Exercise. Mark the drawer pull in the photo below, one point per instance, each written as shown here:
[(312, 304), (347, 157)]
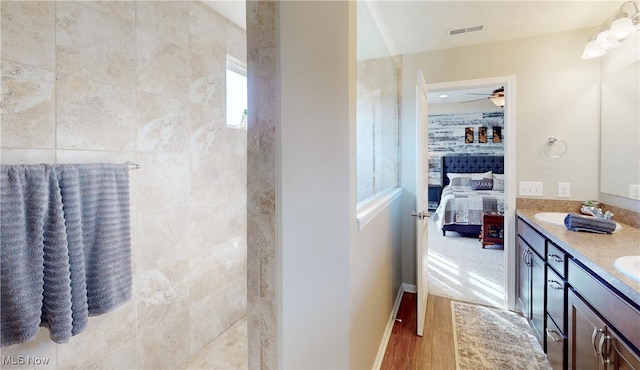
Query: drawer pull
[(555, 258), (555, 284), (554, 335)]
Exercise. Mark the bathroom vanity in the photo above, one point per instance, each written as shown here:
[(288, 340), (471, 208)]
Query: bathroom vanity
[(583, 311)]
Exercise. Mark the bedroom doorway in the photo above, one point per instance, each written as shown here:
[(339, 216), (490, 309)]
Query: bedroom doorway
[(475, 96)]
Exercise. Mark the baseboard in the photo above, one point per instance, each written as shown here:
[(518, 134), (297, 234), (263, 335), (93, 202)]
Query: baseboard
[(392, 319), (409, 288)]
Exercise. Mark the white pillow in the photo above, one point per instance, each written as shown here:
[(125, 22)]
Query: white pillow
[(498, 182)]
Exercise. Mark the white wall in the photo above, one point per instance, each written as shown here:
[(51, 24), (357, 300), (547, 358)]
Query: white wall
[(557, 95), (316, 194), (337, 285)]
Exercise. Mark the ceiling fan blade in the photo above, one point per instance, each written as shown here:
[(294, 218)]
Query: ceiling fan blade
[(469, 101)]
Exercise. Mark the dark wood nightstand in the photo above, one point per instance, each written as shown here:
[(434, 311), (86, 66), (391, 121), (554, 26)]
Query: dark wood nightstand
[(492, 229), (434, 196)]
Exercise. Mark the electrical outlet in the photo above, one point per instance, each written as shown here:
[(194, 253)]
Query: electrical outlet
[(634, 191), (564, 190), (531, 189)]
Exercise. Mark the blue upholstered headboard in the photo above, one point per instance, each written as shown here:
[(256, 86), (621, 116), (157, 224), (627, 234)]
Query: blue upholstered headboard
[(470, 164)]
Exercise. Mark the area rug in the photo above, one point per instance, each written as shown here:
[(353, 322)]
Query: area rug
[(487, 338)]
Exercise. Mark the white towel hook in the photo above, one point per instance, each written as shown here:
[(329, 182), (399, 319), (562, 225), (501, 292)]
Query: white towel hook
[(552, 140)]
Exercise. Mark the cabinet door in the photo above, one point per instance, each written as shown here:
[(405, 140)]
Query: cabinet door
[(538, 283), (524, 281), (585, 331), (620, 356)]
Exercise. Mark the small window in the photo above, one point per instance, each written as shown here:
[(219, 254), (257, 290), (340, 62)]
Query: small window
[(236, 94)]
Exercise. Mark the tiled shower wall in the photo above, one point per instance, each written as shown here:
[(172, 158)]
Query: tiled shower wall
[(143, 82)]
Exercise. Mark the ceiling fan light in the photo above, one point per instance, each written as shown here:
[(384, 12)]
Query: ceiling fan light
[(622, 27), (498, 100)]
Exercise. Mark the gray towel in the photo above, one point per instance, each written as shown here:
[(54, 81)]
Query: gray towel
[(66, 247), (575, 222)]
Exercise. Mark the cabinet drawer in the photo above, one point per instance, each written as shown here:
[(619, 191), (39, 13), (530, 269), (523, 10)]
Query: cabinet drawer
[(556, 344), (535, 240), (619, 313), (556, 258), (556, 289)]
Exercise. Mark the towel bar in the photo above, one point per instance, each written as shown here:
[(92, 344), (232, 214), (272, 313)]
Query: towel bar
[(133, 166)]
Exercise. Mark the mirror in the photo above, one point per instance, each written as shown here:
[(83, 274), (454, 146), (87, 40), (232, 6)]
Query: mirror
[(620, 121)]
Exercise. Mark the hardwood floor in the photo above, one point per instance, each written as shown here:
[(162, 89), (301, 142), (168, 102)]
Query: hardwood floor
[(435, 350)]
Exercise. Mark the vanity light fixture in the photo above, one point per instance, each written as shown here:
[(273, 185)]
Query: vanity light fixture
[(617, 27)]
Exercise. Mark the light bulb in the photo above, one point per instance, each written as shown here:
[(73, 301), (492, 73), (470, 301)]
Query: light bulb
[(622, 27), (591, 50), (606, 40)]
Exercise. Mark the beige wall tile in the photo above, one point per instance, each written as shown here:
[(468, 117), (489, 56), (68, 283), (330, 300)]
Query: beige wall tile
[(166, 19), (162, 124), (27, 156), (161, 292), (163, 181), (162, 67), (204, 331), (162, 238), (206, 125), (236, 41), (28, 106), (103, 334), (125, 11), (94, 115), (28, 32), (208, 76), (206, 30), (165, 345), (94, 45)]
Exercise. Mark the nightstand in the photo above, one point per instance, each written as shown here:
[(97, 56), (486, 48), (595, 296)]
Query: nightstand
[(434, 197), (492, 229)]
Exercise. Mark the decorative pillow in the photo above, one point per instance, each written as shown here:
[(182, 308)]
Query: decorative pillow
[(485, 175), (459, 179), (464, 179), (498, 182), (483, 184)]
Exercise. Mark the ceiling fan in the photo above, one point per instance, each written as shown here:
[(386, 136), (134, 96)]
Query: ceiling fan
[(496, 97)]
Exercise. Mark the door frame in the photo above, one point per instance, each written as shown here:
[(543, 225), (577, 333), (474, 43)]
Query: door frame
[(509, 83)]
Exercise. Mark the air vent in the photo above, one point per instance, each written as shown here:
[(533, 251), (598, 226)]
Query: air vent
[(460, 31)]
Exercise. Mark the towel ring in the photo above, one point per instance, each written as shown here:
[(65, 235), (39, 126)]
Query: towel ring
[(550, 142)]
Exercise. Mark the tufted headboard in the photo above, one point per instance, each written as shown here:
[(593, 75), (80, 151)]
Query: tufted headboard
[(470, 164)]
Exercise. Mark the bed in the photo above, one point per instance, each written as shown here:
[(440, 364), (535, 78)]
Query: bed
[(471, 184)]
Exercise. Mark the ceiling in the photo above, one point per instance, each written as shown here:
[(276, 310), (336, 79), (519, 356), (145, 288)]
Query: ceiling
[(412, 26), (416, 26)]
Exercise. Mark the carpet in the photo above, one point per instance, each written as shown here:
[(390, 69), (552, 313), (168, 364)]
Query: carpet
[(487, 338), (461, 269)]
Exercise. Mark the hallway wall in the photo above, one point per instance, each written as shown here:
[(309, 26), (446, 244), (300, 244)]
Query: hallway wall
[(141, 82)]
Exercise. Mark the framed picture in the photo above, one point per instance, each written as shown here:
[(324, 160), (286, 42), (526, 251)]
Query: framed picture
[(482, 134), (497, 134), (468, 135)]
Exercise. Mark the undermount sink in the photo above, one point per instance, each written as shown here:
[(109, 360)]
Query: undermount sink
[(557, 218), (629, 265)]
